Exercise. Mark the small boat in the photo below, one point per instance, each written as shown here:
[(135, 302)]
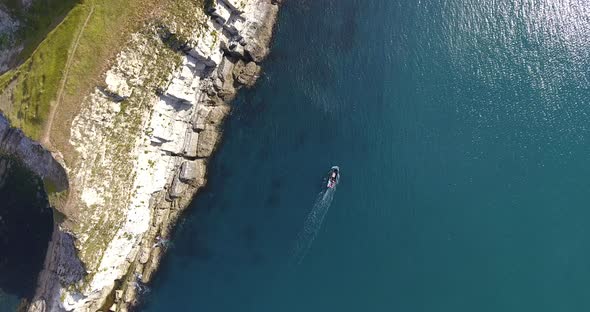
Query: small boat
[(334, 177)]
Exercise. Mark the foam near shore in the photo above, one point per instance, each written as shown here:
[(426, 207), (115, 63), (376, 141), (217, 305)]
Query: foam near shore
[(141, 143)]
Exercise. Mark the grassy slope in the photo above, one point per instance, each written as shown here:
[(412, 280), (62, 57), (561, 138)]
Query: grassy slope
[(36, 21), (105, 35), (38, 79)]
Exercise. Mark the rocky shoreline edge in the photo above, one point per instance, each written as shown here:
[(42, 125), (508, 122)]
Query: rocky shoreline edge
[(239, 67), (172, 138)]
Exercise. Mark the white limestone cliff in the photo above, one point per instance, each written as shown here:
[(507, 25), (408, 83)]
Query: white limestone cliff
[(142, 141)]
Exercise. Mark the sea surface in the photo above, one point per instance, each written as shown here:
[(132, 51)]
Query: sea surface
[(462, 129), (26, 223)]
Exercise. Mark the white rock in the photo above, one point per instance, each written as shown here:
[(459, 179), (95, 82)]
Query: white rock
[(117, 84), (221, 11), (190, 143), (193, 171), (185, 84), (155, 155), (236, 5), (200, 117)]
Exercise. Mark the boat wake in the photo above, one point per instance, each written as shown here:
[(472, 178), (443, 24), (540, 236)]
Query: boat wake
[(312, 225)]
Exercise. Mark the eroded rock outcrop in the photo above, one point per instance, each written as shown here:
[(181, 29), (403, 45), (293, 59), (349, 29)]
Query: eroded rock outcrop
[(246, 73), (13, 142), (142, 141)]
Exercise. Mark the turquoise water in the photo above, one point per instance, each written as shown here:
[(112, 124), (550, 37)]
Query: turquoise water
[(462, 131), (25, 229)]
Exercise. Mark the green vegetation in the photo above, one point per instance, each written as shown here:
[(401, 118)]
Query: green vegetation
[(6, 79), (39, 77), (215, 36), (101, 234), (55, 198), (66, 67), (91, 46), (49, 186)]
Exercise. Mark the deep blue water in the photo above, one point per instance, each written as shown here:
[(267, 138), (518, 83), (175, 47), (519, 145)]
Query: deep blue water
[(25, 229), (462, 131)]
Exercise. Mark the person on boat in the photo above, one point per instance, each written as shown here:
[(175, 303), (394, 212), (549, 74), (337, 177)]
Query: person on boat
[(334, 176)]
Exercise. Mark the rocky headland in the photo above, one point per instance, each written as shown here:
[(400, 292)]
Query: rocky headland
[(137, 150)]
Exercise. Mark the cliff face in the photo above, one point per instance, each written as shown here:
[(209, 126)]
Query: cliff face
[(139, 148), (8, 50), (13, 142)]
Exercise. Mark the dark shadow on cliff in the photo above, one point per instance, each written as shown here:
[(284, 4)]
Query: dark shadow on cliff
[(25, 228)]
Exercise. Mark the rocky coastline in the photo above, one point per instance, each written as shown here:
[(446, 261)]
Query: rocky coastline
[(140, 145)]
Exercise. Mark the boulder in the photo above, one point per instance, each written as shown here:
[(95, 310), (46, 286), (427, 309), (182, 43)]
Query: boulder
[(177, 188), (246, 73), (118, 294), (117, 84), (193, 172), (207, 140), (38, 306), (217, 83), (130, 294), (227, 94), (211, 90), (235, 49), (258, 34), (215, 101), (200, 117), (145, 255), (190, 143), (225, 89), (188, 171), (150, 267), (224, 71), (255, 50), (217, 114)]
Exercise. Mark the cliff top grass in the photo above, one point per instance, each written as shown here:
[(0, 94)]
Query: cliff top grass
[(66, 67), (68, 63), (121, 139), (37, 79)]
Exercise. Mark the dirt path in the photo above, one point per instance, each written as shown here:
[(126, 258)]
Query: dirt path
[(46, 137)]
